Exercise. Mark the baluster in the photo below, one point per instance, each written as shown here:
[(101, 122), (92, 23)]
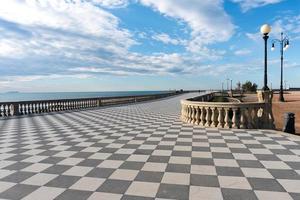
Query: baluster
[(227, 120), (33, 107), (255, 118), (249, 117), (186, 113), (202, 116), (243, 124), (24, 109), (197, 115), (30, 108), (5, 110), (193, 119), (47, 107), (1, 111), (220, 118), (183, 112), (43, 106), (235, 123), (208, 117), (214, 117), (189, 114)]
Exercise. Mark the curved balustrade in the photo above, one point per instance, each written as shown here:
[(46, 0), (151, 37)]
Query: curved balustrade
[(46, 106), (227, 115)]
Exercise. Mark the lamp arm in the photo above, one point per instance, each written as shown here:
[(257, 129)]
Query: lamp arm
[(276, 40)]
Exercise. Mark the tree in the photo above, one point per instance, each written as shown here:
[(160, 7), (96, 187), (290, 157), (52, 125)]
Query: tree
[(248, 86), (238, 86)]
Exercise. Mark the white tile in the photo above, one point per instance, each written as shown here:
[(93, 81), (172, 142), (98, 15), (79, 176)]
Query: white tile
[(176, 178), (156, 167), (180, 160), (182, 148), (100, 156), (205, 193), (35, 159), (244, 156), (5, 185), (272, 195), (124, 174), (138, 158), (290, 185), (39, 179), (144, 189), (78, 171), (275, 165), (105, 196), (71, 161), (162, 153), (256, 172), (4, 172), (37, 167), (111, 164), (234, 182), (226, 163), (203, 169), (45, 193), (260, 151), (289, 158), (87, 183), (125, 151), (201, 154), (65, 154)]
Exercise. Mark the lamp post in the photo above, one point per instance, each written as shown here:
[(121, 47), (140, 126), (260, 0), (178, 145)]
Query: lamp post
[(265, 30), (284, 44), (231, 84), (227, 84), (222, 88)]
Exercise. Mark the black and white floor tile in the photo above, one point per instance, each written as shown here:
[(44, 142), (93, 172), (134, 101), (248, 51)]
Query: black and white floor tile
[(142, 151)]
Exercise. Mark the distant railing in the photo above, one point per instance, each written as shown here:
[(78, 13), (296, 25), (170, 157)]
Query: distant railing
[(8, 109), (226, 114)]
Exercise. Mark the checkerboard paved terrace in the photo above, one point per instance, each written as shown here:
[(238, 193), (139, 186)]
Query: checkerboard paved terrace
[(142, 151)]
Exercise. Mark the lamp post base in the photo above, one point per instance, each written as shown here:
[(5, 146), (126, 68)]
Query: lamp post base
[(265, 88), (281, 98)]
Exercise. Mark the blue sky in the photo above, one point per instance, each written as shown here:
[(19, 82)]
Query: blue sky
[(103, 45)]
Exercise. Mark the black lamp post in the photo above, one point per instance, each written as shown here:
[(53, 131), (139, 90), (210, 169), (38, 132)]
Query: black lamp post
[(265, 30), (284, 44)]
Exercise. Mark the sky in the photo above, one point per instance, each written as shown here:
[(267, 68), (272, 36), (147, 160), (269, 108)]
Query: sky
[(120, 45)]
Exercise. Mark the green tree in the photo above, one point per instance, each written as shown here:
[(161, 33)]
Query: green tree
[(248, 86)]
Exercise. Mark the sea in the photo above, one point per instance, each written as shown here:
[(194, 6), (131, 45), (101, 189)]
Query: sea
[(20, 96)]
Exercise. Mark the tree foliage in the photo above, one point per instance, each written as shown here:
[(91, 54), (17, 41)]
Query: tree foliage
[(248, 86)]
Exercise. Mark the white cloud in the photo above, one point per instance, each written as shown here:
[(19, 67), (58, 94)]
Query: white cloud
[(289, 25), (207, 19), (166, 39), (242, 52), (250, 4), (80, 17), (111, 3)]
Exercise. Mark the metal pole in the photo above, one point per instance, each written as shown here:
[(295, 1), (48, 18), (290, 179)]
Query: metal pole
[(227, 84), (231, 85), (222, 88), (265, 37), (281, 70)]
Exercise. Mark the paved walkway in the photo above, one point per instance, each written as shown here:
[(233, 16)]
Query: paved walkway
[(142, 151)]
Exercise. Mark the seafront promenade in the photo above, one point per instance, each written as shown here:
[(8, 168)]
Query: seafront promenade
[(142, 151)]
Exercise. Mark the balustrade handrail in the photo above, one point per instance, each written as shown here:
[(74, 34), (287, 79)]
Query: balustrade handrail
[(16, 108), (222, 104), (201, 111), (92, 98)]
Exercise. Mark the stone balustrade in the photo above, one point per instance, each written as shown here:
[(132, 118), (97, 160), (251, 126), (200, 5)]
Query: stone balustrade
[(252, 115), (8, 109)]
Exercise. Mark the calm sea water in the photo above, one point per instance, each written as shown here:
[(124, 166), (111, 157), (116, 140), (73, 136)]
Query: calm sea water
[(69, 95)]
